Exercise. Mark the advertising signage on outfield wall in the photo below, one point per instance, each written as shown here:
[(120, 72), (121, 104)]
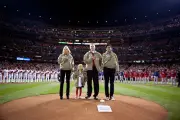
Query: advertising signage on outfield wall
[(24, 59)]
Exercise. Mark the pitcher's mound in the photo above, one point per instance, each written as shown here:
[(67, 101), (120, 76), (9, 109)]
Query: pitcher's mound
[(50, 107)]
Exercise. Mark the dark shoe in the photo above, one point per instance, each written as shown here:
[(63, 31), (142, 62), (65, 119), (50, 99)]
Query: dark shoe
[(87, 97), (61, 98), (95, 98), (67, 97)]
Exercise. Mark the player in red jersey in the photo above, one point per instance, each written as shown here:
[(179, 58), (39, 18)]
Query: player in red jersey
[(163, 77), (141, 77), (126, 75), (135, 74), (146, 76), (131, 76)]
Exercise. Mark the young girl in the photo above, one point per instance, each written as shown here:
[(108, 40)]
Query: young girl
[(80, 78)]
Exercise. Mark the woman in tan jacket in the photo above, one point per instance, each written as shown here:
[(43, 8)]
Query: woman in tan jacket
[(66, 63)]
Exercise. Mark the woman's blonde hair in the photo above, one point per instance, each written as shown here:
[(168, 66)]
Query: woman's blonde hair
[(66, 47), (80, 66)]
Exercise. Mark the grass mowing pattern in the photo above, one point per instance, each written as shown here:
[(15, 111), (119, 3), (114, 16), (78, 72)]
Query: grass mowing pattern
[(167, 96)]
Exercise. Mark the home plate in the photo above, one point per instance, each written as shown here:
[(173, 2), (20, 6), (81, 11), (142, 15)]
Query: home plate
[(104, 108)]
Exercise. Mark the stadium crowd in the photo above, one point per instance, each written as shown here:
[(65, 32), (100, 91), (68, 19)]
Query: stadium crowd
[(111, 32)]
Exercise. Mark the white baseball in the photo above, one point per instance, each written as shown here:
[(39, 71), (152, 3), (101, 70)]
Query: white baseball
[(102, 101)]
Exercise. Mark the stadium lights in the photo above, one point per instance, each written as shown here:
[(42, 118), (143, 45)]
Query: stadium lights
[(37, 56), (78, 43), (77, 40)]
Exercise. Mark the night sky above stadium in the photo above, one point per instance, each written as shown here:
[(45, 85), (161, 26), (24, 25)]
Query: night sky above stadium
[(91, 12)]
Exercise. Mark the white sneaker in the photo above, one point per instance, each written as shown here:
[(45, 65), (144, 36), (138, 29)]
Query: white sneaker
[(106, 98), (112, 98)]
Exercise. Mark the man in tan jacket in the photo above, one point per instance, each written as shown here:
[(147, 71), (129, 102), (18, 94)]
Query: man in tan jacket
[(93, 61), (110, 67)]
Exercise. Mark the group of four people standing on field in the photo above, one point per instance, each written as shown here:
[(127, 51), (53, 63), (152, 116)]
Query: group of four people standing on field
[(95, 63)]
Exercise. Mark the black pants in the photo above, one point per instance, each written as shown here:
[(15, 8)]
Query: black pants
[(63, 73), (59, 77), (92, 74), (109, 75)]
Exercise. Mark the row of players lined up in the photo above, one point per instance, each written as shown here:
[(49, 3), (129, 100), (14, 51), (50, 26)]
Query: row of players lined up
[(27, 75), (138, 76), (142, 76)]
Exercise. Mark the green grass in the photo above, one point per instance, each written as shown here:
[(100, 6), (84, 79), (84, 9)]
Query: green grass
[(167, 96)]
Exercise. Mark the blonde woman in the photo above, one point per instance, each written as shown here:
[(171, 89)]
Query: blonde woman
[(66, 62)]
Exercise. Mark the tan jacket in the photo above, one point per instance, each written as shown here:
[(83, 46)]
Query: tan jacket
[(110, 61), (66, 62), (89, 62), (76, 76)]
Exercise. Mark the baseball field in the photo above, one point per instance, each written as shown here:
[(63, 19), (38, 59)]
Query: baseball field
[(166, 96)]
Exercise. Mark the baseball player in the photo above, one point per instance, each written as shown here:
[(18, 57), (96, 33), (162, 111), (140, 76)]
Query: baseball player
[(5, 75), (163, 77), (173, 77), (121, 76)]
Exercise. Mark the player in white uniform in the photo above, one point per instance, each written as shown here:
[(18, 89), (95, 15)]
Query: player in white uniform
[(20, 75), (29, 75), (47, 76), (1, 76), (10, 76), (5, 75), (116, 77), (25, 76), (34, 76), (16, 75), (43, 76), (38, 76), (56, 75), (52, 75)]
